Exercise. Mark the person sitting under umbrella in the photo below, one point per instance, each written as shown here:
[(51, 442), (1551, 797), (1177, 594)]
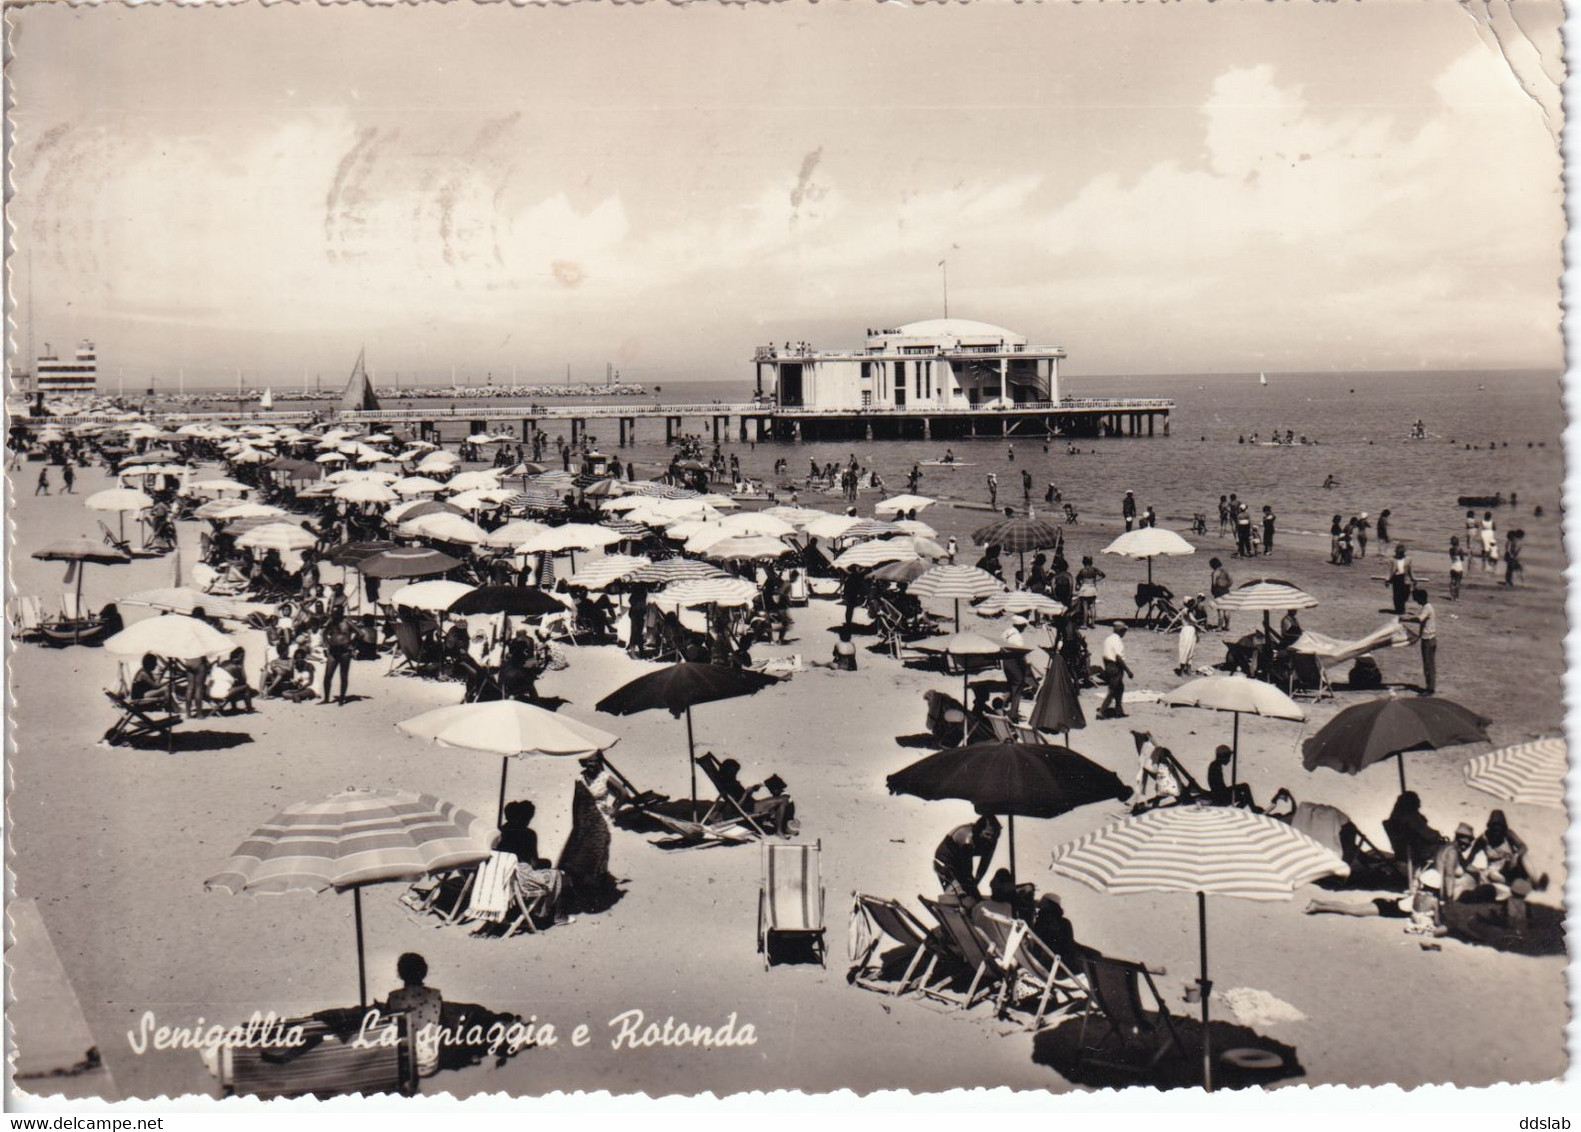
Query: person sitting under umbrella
[(609, 791), (539, 886), (775, 813), (1220, 791), (1053, 927), (953, 860), (422, 1006), (1157, 783), (228, 682), (1505, 854), (148, 690), (1006, 898)]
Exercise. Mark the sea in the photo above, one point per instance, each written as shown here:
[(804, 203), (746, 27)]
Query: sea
[(1487, 433)]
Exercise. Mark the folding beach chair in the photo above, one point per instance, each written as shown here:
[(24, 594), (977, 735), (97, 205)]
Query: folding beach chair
[(1032, 970), (25, 617), (639, 801), (965, 945), (71, 608), (121, 544), (791, 898), (329, 1063), (724, 808), (1114, 988), (139, 720), (412, 655), (1003, 729), (1028, 734), (875, 920)]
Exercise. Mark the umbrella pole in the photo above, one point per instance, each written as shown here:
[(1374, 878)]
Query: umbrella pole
[(1012, 848), (1150, 570), (966, 712), (1235, 758), (691, 759), (957, 615), (505, 769), (1206, 989), (76, 622), (1400, 762), (362, 963)]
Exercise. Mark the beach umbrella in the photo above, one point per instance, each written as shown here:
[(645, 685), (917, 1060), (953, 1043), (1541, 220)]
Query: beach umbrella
[(235, 527), (875, 553), (961, 646), (674, 570), (1149, 543), (354, 554), (831, 526), (697, 535), (416, 485), (1058, 704), (627, 503), (733, 592), (185, 599), (606, 571), (757, 523), (748, 547), (513, 534), (1208, 850), (417, 508), (603, 489), (680, 687), (1241, 696), (872, 528), (407, 562), (232, 511), (277, 536), (1019, 534), (215, 487), (917, 527), (1011, 779), (473, 481), (1020, 601), (444, 526), (797, 517), (481, 498), (171, 637), (441, 462), (119, 500), (571, 536), (1370, 732), (513, 601), (435, 596), (329, 458), (907, 570), (1532, 773), (627, 530), (510, 729), (77, 552), (955, 583), (351, 839), (1266, 595), (365, 491), (361, 475), (297, 469), (897, 503)]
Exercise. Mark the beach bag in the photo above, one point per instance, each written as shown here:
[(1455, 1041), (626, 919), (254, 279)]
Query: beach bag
[(1365, 674)]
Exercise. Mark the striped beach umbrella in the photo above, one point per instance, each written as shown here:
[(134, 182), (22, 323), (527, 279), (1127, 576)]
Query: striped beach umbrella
[(907, 570), (955, 583), (876, 552), (1020, 601), (606, 571), (417, 508), (713, 591), (277, 536), (747, 548), (674, 570), (1266, 594), (628, 530), (1532, 773), (407, 562), (1019, 534), (1208, 850), (350, 839), (917, 527), (872, 528)]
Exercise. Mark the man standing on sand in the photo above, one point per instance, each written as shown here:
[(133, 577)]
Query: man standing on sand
[(1128, 510), (1268, 529), (993, 490), (1243, 531), (1219, 585), (1026, 488), (68, 477), (42, 487), (1115, 670), (1401, 580), (1427, 632)]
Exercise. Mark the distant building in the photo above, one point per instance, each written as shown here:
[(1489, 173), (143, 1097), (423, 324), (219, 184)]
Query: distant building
[(938, 364), (79, 374)]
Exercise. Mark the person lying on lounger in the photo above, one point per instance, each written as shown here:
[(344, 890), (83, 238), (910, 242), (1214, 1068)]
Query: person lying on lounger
[(776, 813)]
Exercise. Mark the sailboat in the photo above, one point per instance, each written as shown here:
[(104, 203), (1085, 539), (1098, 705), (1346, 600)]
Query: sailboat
[(1262, 379), (358, 394), (266, 402)]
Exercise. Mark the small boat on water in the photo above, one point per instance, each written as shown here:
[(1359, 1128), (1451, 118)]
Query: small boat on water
[(1482, 500), (945, 464), (1262, 379)]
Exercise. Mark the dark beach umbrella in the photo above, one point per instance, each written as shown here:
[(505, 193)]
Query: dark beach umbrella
[(1058, 707), (1391, 725), (1011, 779), (1019, 534), (907, 571), (353, 554), (515, 601), (79, 552), (430, 507), (679, 688), (408, 562), (297, 469)]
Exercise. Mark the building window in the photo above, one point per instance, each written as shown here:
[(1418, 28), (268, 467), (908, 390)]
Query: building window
[(867, 370), (900, 384), (867, 398)]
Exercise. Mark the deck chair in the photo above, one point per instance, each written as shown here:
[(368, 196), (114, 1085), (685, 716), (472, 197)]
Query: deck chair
[(724, 808), (685, 834), (25, 618), (875, 920), (412, 655), (966, 946), (791, 898), (138, 721), (1155, 604), (121, 544), (1029, 735), (1003, 730), (1032, 970), (328, 1065), (796, 589), (640, 801), (71, 607), (1114, 988)]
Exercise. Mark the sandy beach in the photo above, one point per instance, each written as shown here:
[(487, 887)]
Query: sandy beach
[(112, 846)]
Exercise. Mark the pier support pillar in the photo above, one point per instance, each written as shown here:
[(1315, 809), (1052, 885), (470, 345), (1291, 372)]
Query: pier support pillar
[(1004, 426), (927, 428), (672, 425), (718, 421), (1166, 424), (1149, 424), (765, 428)]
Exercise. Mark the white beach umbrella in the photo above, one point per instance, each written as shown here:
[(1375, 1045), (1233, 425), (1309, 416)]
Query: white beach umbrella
[(473, 481), (480, 498), (213, 488), (757, 523), (1149, 543), (572, 536), (435, 596), (898, 503), (121, 499), (1238, 694), (417, 485), (747, 548), (441, 462), (797, 517), (445, 527), (173, 637), (831, 526), (513, 533), (276, 536), (233, 511), (365, 491)]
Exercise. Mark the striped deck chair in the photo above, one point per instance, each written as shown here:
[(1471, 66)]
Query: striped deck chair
[(26, 618), (791, 898), (495, 897), (1033, 971), (874, 921), (1115, 998), (330, 1065), (967, 947)]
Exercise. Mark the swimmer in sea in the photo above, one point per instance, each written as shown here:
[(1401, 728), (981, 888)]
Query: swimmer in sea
[(1329, 481)]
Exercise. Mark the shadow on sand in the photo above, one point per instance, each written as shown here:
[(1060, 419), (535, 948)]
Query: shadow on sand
[(1106, 1064)]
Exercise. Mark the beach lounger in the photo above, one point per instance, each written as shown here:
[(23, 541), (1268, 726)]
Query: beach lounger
[(966, 946), (791, 898), (640, 801), (121, 544), (331, 1063), (725, 808), (686, 834), (875, 920), (25, 617), (139, 720), (1032, 970), (1114, 1000)]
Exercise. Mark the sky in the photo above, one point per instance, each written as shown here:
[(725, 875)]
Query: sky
[(488, 189)]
